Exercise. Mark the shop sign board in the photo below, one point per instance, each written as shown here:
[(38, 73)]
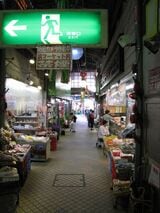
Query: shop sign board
[(58, 57), (154, 176), (43, 27), (152, 15), (113, 66), (154, 80)]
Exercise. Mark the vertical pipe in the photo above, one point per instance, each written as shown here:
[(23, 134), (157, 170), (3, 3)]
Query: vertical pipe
[(139, 79), (2, 86)]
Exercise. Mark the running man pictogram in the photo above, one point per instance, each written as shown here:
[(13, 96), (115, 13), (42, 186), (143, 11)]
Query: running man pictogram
[(50, 27)]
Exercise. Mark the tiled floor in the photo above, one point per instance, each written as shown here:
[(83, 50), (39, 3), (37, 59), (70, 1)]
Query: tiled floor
[(75, 179)]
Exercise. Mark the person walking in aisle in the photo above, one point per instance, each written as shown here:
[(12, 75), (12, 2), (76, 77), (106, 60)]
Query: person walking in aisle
[(73, 122), (91, 119)]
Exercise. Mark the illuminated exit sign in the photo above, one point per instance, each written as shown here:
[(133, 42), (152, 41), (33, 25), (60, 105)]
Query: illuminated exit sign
[(37, 27)]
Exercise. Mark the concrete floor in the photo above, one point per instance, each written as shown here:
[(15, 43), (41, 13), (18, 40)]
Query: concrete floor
[(75, 179)]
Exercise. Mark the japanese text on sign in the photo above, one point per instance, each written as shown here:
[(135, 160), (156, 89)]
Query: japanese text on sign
[(54, 57)]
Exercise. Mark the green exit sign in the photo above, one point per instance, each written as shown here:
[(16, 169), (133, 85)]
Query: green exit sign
[(87, 28)]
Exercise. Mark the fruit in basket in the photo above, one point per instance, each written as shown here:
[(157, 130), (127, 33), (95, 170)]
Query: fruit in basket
[(28, 137)]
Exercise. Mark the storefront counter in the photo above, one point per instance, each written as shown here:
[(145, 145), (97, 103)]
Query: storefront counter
[(40, 146), (24, 165)]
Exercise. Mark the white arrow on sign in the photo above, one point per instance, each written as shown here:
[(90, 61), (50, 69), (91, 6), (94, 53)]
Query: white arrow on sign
[(10, 28)]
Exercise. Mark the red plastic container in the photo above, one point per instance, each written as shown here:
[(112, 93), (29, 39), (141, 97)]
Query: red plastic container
[(53, 145)]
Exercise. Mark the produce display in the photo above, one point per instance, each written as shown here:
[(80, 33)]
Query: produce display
[(5, 136), (120, 153)]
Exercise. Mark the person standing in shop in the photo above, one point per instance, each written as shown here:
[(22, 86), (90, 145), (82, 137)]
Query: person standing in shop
[(108, 118), (102, 132)]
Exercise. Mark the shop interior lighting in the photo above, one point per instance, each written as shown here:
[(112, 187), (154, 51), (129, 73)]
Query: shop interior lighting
[(53, 101), (15, 85), (46, 74), (130, 86), (39, 87), (32, 61), (114, 93), (31, 83), (126, 78), (114, 86), (63, 86), (83, 84)]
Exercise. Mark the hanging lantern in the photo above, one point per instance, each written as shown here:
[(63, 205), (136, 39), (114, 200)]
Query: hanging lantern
[(133, 95), (133, 118), (83, 75)]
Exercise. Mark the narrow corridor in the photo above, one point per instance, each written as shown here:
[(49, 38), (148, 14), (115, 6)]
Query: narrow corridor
[(75, 179)]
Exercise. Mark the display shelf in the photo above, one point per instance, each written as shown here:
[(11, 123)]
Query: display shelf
[(117, 109), (26, 124), (31, 118)]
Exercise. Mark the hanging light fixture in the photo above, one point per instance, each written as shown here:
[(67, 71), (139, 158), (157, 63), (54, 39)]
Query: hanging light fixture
[(30, 83), (77, 53), (31, 61), (39, 87)]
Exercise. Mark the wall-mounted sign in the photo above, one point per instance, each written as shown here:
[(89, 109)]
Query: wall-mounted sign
[(76, 27), (57, 57), (154, 80), (152, 19), (154, 176)]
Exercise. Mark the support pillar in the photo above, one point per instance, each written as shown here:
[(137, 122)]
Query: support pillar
[(2, 86), (139, 82)]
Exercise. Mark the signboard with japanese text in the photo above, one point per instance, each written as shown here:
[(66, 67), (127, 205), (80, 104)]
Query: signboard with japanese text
[(154, 176), (43, 27), (154, 80), (57, 57)]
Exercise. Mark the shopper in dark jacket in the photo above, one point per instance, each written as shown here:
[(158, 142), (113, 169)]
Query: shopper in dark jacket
[(91, 119)]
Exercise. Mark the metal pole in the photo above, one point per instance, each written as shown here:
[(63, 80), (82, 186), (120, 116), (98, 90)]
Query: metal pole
[(2, 87), (139, 83)]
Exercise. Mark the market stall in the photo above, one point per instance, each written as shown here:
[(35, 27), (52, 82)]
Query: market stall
[(120, 154), (40, 146), (14, 168)]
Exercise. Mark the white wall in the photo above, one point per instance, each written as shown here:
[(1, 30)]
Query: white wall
[(22, 97)]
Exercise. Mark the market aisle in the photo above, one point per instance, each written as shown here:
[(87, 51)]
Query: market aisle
[(74, 180)]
